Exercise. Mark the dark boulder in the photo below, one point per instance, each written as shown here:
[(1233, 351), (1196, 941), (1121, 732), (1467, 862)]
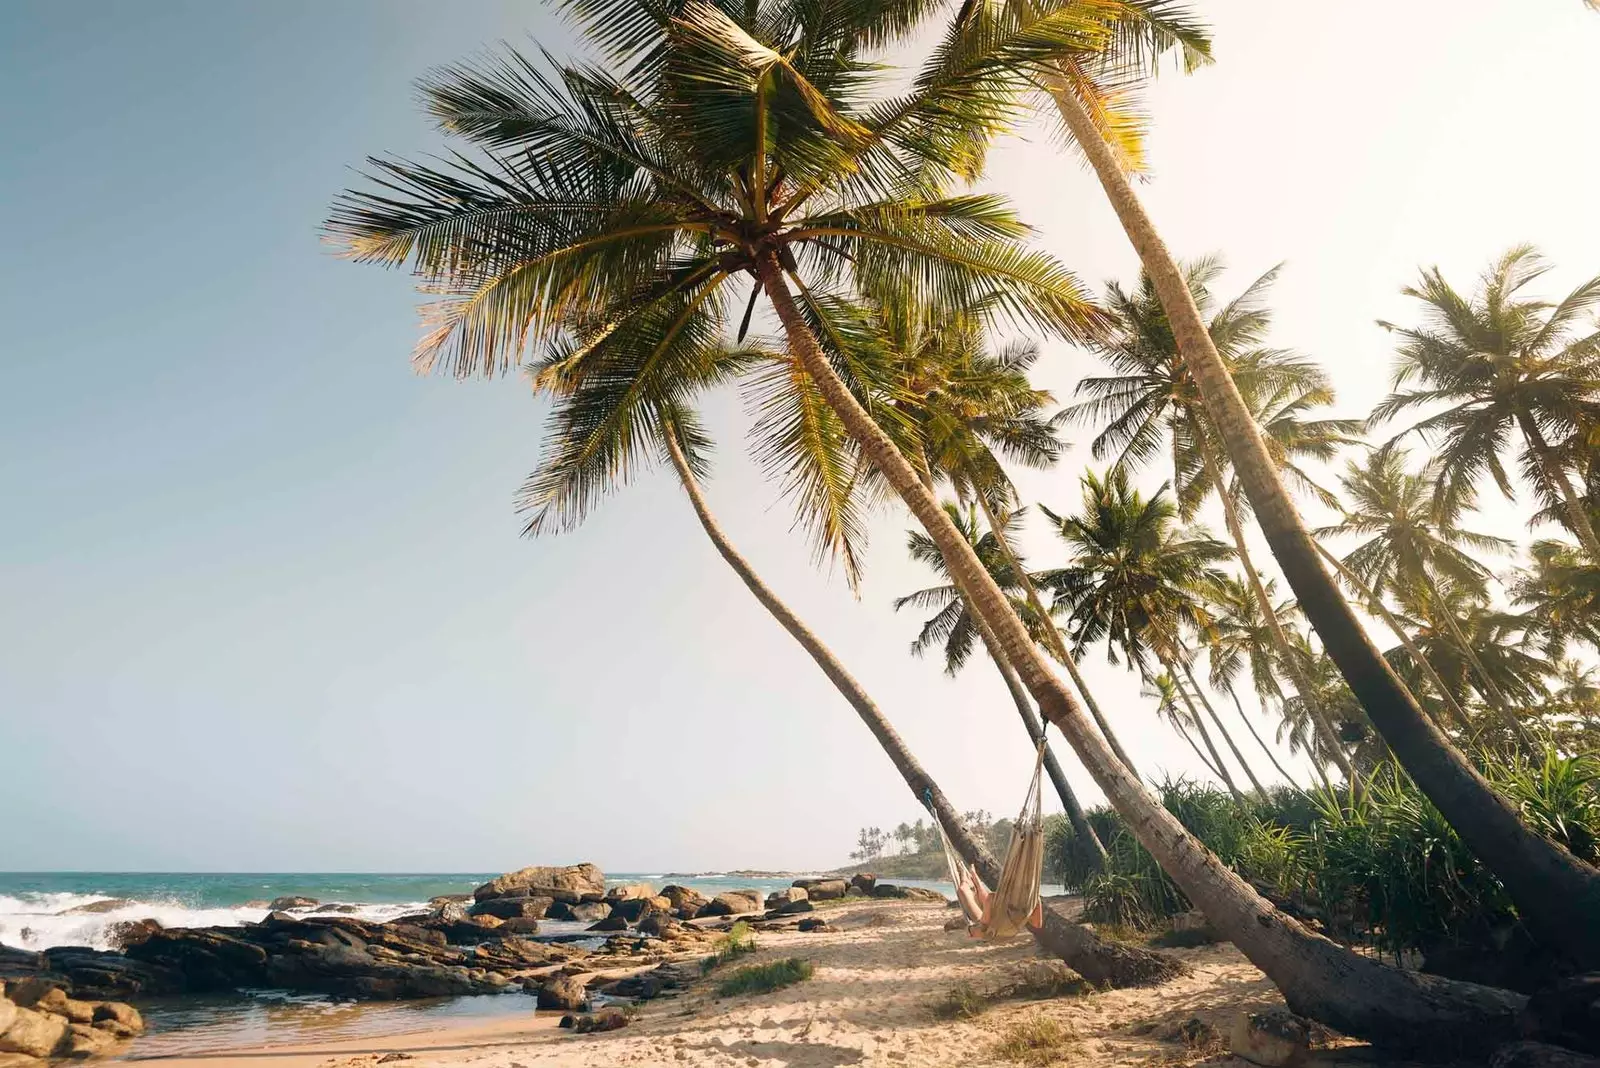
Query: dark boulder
[(686, 903), (909, 893), (793, 908), (1539, 1055), (563, 992), (287, 902), (733, 903), (613, 922), (822, 889), (863, 882), (813, 923), (97, 908), (513, 908), (634, 909), (579, 913)]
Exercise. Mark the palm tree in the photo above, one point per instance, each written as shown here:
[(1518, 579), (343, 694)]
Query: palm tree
[(972, 405), (1559, 592), (953, 627), (1503, 364), (1413, 544), (1093, 92), (1163, 689), (614, 211), (1134, 579), (1152, 401)]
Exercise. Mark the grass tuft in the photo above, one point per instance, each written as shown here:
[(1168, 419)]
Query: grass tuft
[(1035, 1041), (765, 978), (736, 943), (961, 1002)]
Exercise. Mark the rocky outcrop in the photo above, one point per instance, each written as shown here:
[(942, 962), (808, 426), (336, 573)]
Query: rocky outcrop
[(911, 893), (563, 992), (327, 954), (732, 903), (39, 1022), (513, 908), (779, 898), (572, 883), (863, 882), (579, 913), (629, 892), (97, 908), (686, 903), (284, 904), (822, 889), (634, 909)]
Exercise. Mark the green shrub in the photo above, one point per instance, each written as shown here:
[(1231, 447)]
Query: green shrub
[(764, 978), (736, 943)]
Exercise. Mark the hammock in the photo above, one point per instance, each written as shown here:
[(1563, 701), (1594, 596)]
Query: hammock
[(1013, 905)]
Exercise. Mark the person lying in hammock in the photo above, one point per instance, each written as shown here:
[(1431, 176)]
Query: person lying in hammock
[(976, 900)]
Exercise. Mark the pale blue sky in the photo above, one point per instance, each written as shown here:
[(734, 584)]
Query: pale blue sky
[(263, 603)]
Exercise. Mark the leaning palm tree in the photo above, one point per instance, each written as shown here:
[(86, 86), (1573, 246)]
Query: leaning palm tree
[(953, 628), (1094, 92), (973, 408), (756, 147), (1502, 364), (1239, 641), (1151, 405)]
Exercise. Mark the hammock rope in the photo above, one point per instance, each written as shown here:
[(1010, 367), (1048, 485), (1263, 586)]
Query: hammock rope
[(1013, 905)]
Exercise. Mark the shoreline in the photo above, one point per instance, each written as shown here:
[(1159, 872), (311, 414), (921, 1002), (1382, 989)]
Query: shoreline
[(885, 973)]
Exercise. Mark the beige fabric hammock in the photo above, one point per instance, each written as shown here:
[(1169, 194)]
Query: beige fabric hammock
[(1012, 903)]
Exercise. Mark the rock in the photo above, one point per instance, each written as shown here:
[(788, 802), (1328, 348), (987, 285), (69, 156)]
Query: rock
[(733, 903), (647, 985), (658, 925), (779, 898), (1540, 1055), (604, 1020), (686, 903), (441, 900), (813, 923), (794, 908), (630, 892), (910, 893), (518, 925), (563, 992), (27, 992), (574, 880), (97, 908), (335, 907), (289, 901), (822, 889), (579, 913), (1567, 1013), (8, 1010), (468, 932), (83, 1041), (121, 1020), (125, 933), (94, 973), (512, 908), (1274, 1039), (634, 909), (864, 882), (613, 922), (56, 1001), (18, 1060), (36, 1034), (568, 1021)]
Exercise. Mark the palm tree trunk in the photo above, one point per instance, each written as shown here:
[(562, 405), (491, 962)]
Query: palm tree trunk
[(1271, 756), (1320, 979), (1030, 719), (1555, 893), (1291, 661), (1183, 732), (1052, 635), (1423, 663), (1082, 832), (1577, 514), (1188, 673), (1099, 961)]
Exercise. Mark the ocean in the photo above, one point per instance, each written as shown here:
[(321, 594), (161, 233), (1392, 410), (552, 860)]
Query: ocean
[(43, 909)]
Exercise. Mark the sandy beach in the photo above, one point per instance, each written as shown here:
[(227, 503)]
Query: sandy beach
[(878, 996)]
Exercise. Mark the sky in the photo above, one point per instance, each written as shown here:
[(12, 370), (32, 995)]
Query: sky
[(264, 602)]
